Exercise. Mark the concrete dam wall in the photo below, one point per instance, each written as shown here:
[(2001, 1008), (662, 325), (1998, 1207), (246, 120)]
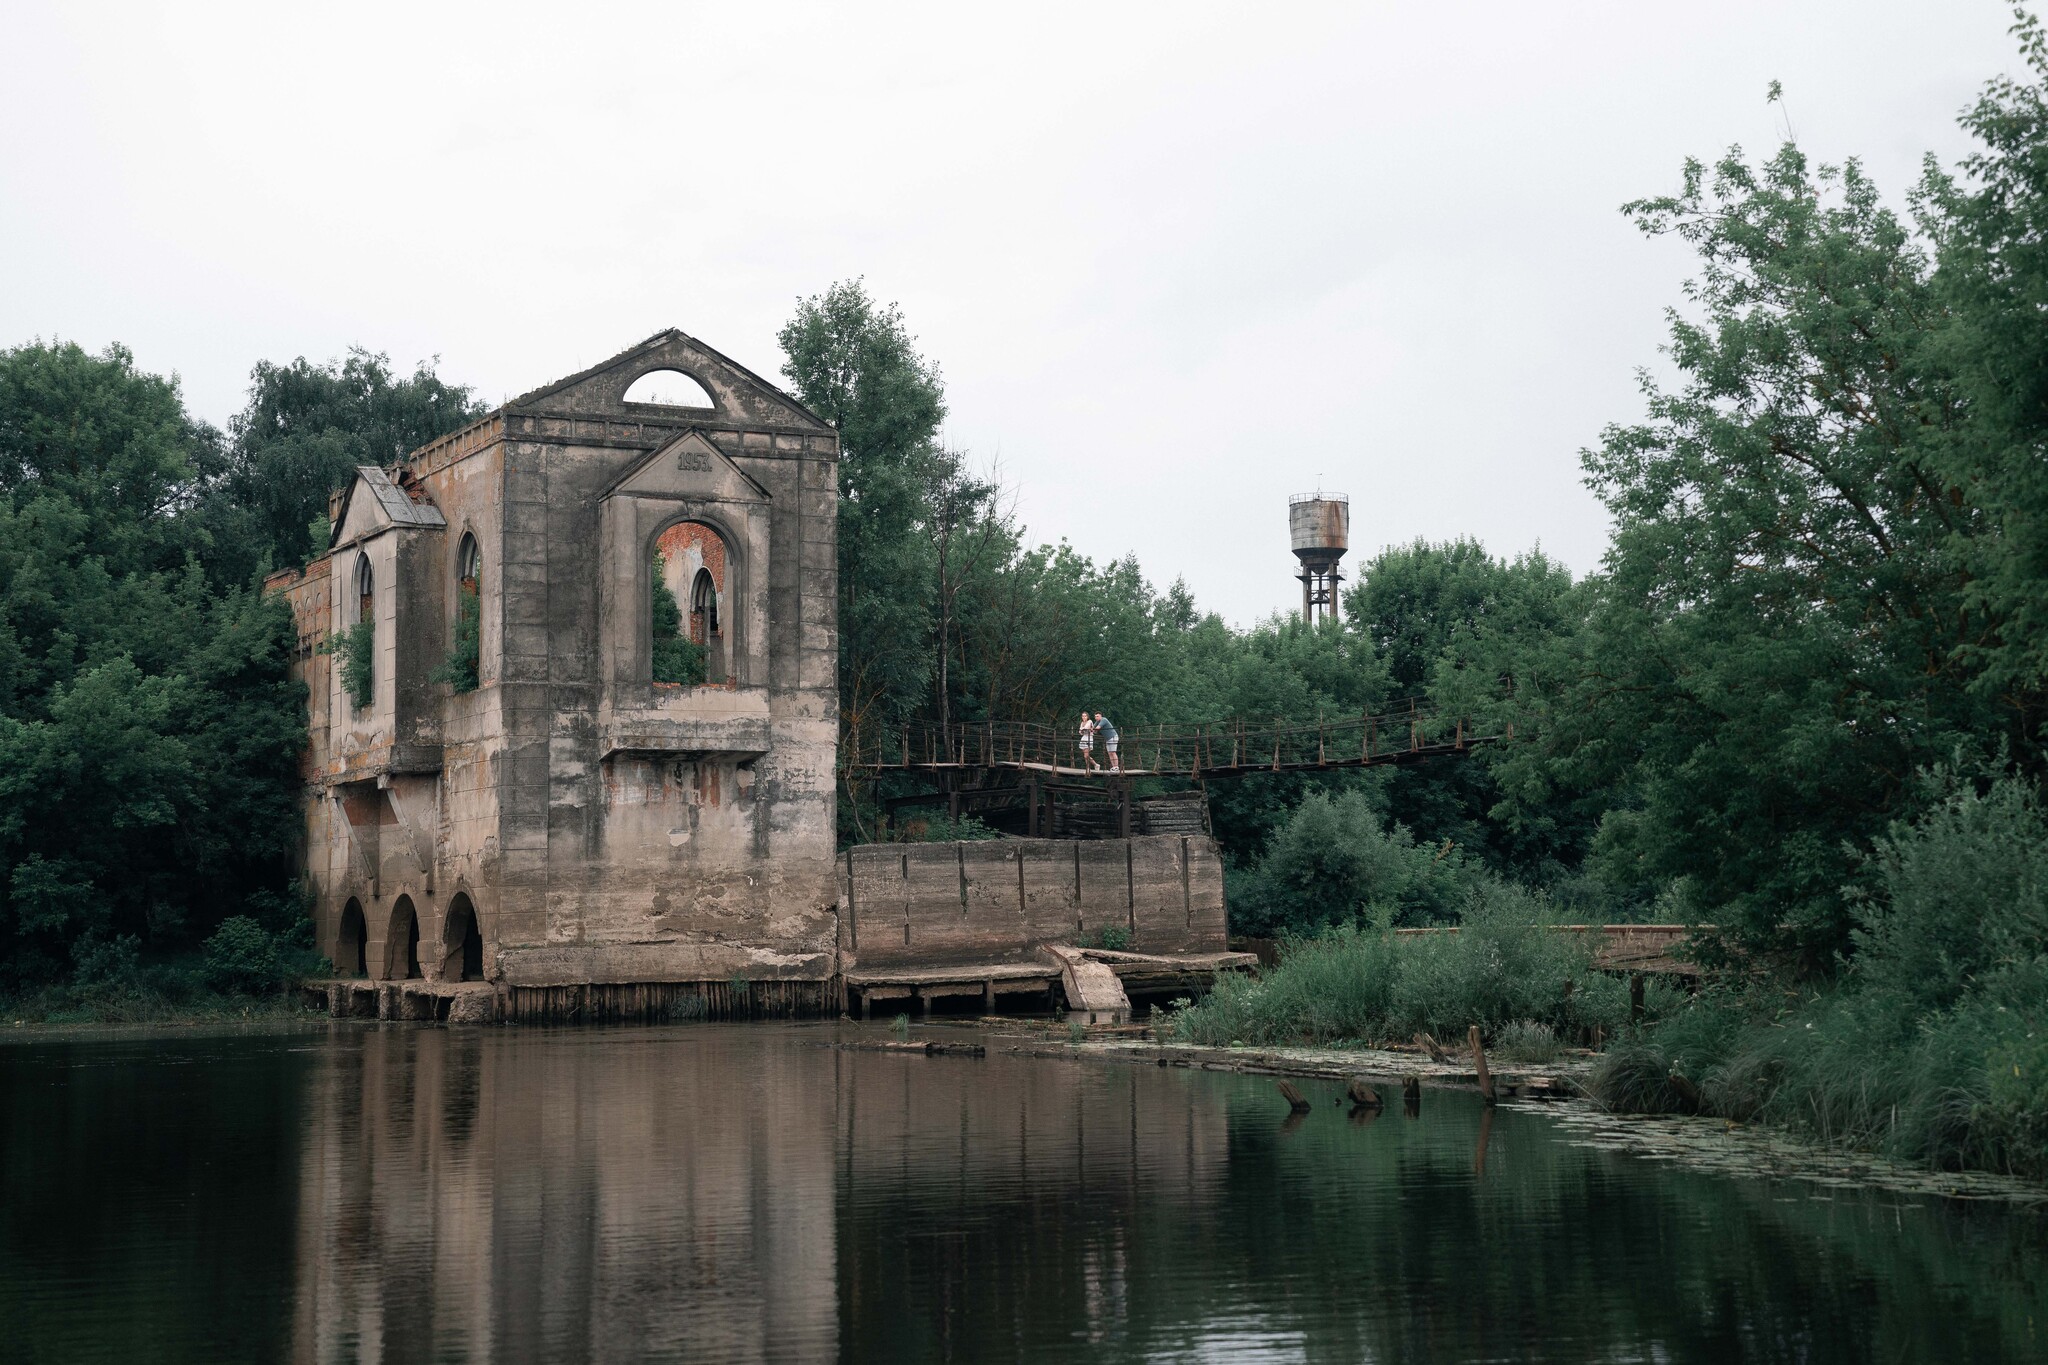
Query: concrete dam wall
[(999, 900)]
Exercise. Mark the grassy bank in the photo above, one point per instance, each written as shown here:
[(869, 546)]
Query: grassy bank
[(1930, 1045), (69, 1005), (1530, 991), (242, 971)]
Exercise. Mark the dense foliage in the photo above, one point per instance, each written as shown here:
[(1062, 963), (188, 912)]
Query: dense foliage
[(149, 731)]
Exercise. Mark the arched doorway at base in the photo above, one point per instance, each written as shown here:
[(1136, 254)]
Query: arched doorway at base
[(462, 944), (402, 947), (351, 941)]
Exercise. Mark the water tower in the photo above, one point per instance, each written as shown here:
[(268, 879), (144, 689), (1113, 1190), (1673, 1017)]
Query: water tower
[(1320, 526)]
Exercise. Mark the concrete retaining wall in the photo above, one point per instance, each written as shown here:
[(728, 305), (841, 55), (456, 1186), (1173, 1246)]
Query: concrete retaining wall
[(998, 900)]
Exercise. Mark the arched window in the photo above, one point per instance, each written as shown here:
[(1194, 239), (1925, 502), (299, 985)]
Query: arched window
[(366, 583), (469, 564), (690, 575), (348, 943), (703, 608), (669, 389)]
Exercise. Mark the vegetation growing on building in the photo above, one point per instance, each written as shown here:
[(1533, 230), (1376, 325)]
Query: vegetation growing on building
[(355, 653), (465, 653), (678, 660)]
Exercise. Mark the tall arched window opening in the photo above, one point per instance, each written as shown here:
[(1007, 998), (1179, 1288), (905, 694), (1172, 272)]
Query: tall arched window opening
[(366, 596), (462, 669), (690, 643), (355, 648)]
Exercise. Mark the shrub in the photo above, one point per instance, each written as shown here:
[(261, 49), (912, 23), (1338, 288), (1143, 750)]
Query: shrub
[(1932, 1047), (1335, 860), (465, 653), (1504, 966), (920, 827), (1114, 938), (354, 652), (244, 957)]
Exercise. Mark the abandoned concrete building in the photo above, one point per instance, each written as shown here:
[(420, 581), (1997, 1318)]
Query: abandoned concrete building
[(584, 804)]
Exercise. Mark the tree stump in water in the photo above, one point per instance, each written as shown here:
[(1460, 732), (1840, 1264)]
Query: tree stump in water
[(1362, 1095), (1479, 1063), (1411, 1096), (1294, 1098)]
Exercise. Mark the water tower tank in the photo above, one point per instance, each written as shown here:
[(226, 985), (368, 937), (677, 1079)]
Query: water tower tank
[(1319, 524)]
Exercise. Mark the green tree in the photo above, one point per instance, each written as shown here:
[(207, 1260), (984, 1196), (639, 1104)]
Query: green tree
[(1990, 229), (1777, 642), (301, 435), (149, 731), (1455, 626)]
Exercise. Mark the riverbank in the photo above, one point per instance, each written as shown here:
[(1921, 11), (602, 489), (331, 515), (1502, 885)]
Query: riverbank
[(70, 1009), (1558, 1090)]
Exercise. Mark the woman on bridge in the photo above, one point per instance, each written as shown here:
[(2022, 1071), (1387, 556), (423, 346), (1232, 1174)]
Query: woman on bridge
[(1087, 741)]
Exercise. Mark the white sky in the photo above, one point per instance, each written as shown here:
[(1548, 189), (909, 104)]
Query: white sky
[(1177, 261)]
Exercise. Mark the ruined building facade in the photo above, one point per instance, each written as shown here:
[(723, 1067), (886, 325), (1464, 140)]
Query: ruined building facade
[(570, 819)]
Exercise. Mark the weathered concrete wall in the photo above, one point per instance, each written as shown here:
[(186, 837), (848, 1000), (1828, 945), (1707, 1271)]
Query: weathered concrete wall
[(997, 900)]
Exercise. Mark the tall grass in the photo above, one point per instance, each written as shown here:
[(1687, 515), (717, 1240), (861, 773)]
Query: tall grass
[(1933, 1045), (1503, 968)]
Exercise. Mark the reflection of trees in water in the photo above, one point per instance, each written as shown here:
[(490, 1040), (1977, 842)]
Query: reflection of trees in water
[(1382, 1240), (736, 1193), (733, 1194)]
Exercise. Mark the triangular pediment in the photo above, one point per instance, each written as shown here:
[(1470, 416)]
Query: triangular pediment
[(737, 394), (689, 467), (373, 503)]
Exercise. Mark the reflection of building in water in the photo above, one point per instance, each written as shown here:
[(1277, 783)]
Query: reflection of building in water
[(509, 1197), (715, 1193)]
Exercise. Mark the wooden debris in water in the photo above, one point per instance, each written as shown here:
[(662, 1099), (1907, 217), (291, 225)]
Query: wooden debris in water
[(1428, 1043), (1295, 1099), (1362, 1095), (1479, 1063)]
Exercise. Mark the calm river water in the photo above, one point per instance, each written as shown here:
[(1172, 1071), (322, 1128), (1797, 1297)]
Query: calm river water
[(734, 1193)]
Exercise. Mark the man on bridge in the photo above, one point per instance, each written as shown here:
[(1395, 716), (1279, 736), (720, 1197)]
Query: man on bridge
[(1107, 733)]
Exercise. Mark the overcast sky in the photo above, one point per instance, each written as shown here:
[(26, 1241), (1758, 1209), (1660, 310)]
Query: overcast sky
[(1176, 261)]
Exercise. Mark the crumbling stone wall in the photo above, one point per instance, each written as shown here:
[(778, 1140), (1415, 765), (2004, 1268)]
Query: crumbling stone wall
[(604, 829)]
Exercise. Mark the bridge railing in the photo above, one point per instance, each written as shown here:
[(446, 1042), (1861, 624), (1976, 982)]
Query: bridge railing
[(1187, 749)]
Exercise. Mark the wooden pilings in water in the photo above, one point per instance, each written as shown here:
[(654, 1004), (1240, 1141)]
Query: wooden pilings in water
[(661, 1001)]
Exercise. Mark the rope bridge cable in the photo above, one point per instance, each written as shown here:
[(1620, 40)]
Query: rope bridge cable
[(1223, 748)]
